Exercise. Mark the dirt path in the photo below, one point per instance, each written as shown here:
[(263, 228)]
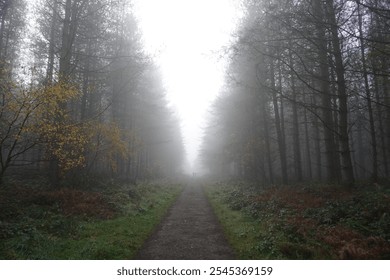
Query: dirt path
[(190, 231)]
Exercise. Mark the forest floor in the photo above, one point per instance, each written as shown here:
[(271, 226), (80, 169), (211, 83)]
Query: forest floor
[(108, 220), (303, 221), (223, 220), (189, 231)]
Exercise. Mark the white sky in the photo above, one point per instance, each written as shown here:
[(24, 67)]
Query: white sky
[(187, 34)]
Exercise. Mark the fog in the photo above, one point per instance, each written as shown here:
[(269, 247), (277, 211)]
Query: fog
[(237, 89), (189, 40)]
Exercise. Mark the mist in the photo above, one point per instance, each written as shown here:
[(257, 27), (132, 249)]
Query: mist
[(139, 84), (183, 129), (305, 96)]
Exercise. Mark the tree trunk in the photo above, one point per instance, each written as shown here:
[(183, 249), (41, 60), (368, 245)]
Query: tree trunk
[(3, 14), (326, 98), (50, 61), (64, 75), (317, 142), (382, 132), (386, 96), (86, 74), (307, 142), (295, 127), (347, 167), (335, 116), (267, 143), (374, 174), (281, 143)]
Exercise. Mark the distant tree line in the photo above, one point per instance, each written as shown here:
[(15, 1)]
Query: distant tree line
[(78, 95), (307, 94)]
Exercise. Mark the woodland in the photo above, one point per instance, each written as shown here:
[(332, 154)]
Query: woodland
[(83, 116), (301, 130), (306, 95), (295, 152), (80, 98)]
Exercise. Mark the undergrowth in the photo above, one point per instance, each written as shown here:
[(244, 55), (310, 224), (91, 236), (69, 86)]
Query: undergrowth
[(110, 221), (304, 222)]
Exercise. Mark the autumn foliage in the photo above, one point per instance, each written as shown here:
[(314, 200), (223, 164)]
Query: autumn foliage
[(43, 117)]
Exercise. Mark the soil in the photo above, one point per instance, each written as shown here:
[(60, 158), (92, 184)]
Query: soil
[(190, 231)]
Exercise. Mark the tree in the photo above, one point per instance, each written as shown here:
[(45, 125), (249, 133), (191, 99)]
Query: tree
[(321, 68), (100, 99), (29, 119)]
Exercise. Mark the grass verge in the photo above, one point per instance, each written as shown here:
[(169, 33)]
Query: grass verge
[(303, 222), (109, 223)]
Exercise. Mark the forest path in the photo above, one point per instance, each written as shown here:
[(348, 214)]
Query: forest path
[(190, 231)]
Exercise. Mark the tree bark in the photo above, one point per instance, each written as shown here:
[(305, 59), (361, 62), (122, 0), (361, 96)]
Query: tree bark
[(374, 174), (281, 142), (326, 98), (295, 123), (307, 142), (50, 61), (347, 167), (267, 143)]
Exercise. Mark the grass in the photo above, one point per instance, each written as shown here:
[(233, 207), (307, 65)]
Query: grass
[(303, 222), (70, 224), (239, 228)]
